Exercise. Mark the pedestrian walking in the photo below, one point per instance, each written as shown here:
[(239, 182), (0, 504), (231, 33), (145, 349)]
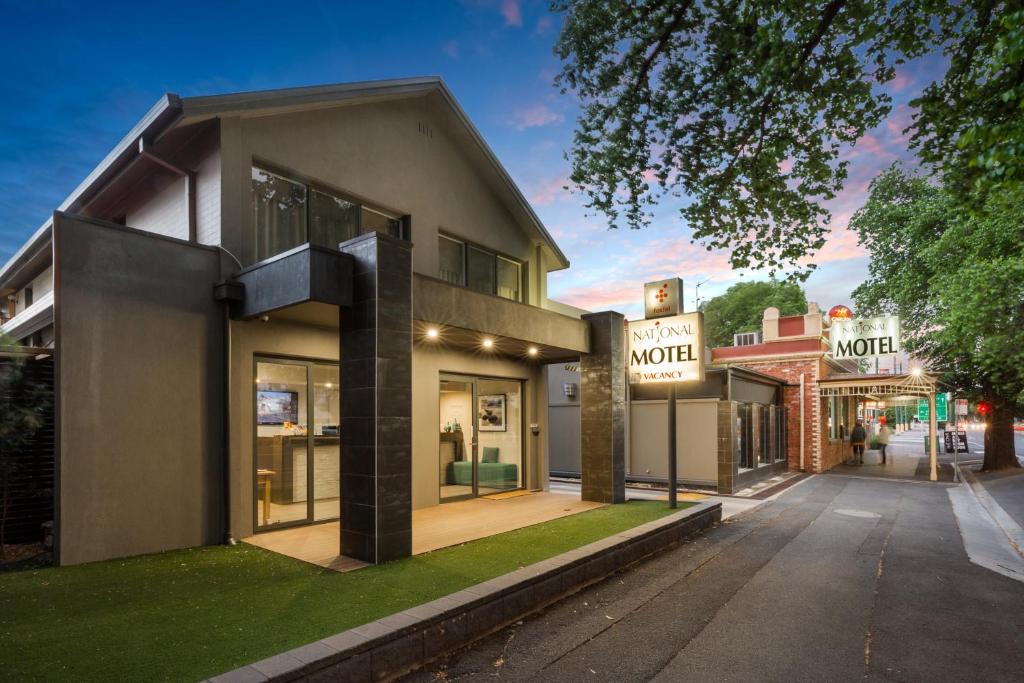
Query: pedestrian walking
[(857, 438), (883, 439)]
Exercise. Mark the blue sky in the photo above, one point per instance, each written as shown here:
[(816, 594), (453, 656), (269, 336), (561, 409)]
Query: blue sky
[(76, 79)]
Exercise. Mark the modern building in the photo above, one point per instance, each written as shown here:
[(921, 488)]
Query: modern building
[(254, 297)]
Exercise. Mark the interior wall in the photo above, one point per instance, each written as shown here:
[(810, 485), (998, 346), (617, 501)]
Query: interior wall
[(428, 363)]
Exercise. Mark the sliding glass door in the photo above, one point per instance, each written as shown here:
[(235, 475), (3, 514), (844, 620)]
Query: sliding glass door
[(480, 444), (297, 447)]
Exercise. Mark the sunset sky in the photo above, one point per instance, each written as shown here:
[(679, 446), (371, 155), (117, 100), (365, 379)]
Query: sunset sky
[(78, 79)]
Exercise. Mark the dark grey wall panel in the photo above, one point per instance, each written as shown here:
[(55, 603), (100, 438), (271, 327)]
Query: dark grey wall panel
[(139, 383), (603, 410), (305, 273)]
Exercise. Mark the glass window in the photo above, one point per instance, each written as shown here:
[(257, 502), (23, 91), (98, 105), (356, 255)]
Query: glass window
[(374, 221), (451, 263), (281, 443), (332, 220), (509, 279), (279, 213), (480, 270), (326, 442)]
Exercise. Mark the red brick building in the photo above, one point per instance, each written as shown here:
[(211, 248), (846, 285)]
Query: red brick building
[(795, 349)]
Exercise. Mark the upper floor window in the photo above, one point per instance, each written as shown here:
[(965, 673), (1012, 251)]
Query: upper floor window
[(288, 212), (470, 266)]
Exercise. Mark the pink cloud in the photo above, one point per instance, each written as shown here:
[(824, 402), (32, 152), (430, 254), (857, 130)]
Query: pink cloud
[(899, 120), (544, 25), (548, 191), (901, 80), (535, 116), (510, 10)]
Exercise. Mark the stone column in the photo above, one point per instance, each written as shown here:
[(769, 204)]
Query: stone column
[(727, 465), (603, 410), (376, 401)]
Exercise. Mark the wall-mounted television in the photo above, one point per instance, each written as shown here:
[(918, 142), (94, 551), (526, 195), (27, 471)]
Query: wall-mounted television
[(276, 407)]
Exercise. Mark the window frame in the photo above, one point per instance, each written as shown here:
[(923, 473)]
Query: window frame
[(496, 255), (311, 186)]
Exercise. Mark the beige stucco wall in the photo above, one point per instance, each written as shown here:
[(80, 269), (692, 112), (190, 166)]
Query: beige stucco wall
[(697, 448), (398, 155), (139, 392)]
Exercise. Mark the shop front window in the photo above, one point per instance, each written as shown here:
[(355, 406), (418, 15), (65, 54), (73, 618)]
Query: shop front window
[(481, 443), (297, 444)]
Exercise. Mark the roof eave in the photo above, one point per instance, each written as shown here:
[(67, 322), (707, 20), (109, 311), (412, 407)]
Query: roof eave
[(160, 116)]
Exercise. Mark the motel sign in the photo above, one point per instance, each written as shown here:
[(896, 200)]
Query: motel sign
[(667, 349), (865, 337)]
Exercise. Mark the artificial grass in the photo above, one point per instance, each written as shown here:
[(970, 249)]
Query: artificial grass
[(190, 614)]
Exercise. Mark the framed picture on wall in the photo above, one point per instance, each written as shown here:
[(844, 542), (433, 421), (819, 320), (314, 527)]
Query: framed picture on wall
[(492, 413)]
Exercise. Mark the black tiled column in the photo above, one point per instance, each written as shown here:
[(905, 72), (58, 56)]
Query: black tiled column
[(376, 401), (603, 410)]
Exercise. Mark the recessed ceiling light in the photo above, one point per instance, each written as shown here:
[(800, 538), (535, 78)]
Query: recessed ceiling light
[(532, 351), (488, 343), (432, 333)]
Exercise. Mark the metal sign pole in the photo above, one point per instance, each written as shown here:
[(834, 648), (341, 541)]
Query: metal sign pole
[(672, 445)]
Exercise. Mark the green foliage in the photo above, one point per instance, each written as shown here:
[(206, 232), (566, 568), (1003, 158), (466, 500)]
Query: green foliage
[(23, 406), (741, 308), (955, 276), (745, 107), (191, 614), (972, 121)]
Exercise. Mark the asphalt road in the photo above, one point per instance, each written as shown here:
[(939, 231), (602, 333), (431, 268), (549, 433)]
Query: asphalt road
[(838, 579)]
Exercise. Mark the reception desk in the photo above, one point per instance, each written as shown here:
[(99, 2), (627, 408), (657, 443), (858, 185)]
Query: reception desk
[(286, 456)]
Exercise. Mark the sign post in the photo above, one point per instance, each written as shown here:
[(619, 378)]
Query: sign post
[(666, 347)]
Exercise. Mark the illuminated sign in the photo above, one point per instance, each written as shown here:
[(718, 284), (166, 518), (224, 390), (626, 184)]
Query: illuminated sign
[(840, 313), (667, 349), (663, 298), (865, 337)]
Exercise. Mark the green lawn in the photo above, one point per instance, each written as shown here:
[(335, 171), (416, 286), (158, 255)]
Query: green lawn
[(189, 614)]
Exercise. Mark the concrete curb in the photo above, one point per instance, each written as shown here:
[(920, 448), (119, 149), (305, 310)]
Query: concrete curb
[(1007, 524), (399, 643)]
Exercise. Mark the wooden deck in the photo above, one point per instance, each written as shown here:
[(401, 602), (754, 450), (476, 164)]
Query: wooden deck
[(433, 528)]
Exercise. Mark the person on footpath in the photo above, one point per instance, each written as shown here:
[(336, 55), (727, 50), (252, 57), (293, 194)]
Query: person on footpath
[(883, 439), (857, 438)]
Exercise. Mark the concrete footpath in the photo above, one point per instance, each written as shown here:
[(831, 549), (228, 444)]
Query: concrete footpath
[(837, 579)]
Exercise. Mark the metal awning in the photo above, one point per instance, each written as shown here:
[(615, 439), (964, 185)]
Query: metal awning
[(874, 386), (877, 385)]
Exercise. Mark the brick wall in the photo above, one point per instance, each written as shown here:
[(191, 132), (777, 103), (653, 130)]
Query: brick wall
[(815, 459)]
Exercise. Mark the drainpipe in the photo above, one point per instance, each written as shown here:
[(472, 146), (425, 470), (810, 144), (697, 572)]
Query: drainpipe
[(227, 292), (229, 538), (802, 422)]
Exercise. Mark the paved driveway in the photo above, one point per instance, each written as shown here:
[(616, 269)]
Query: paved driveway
[(838, 579)]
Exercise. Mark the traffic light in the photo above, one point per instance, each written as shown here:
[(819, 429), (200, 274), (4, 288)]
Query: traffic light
[(984, 408)]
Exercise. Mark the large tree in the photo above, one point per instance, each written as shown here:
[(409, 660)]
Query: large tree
[(745, 107), (955, 276), (741, 308)]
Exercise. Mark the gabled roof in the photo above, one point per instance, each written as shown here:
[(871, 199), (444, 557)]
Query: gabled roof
[(173, 111)]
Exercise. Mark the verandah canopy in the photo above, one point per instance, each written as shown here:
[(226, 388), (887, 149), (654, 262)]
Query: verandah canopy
[(877, 386)]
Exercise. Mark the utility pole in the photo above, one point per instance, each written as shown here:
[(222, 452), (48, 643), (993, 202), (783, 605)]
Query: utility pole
[(696, 293)]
